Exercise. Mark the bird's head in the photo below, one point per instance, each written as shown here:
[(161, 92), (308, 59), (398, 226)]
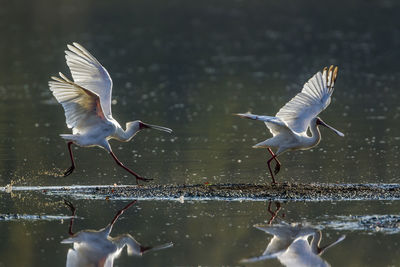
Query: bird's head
[(318, 121), (134, 125)]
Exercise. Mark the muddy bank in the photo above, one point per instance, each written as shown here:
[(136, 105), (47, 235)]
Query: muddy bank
[(282, 192)]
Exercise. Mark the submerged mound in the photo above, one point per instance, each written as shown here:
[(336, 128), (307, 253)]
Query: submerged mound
[(282, 192)]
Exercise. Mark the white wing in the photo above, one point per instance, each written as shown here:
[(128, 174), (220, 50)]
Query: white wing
[(82, 107), (88, 73), (72, 258), (314, 98), (299, 254), (274, 124)]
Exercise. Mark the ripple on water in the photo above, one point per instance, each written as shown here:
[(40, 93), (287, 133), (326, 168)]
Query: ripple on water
[(389, 224)]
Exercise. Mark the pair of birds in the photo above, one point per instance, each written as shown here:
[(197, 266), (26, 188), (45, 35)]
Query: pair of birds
[(87, 104)]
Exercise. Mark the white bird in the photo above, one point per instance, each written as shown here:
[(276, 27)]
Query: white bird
[(290, 125), (87, 105), (291, 247), (98, 248)]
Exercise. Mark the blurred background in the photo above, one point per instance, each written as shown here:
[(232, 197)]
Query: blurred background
[(189, 65)]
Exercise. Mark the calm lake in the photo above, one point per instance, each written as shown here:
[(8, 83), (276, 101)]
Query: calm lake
[(189, 65)]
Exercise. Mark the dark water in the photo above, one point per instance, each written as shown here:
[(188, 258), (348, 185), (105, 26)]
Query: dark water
[(204, 233), (189, 65)]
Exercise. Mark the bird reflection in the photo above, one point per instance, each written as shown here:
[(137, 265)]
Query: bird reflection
[(274, 213), (98, 248), (291, 243)]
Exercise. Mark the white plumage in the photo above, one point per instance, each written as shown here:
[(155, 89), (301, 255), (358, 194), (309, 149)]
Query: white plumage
[(290, 245), (81, 106), (87, 105), (98, 248), (313, 98), (290, 125), (90, 74)]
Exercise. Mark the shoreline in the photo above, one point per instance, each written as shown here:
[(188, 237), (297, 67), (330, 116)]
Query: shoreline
[(225, 192)]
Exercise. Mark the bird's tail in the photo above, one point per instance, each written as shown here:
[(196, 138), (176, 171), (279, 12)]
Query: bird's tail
[(250, 116), (262, 144), (70, 137), (247, 115), (70, 240)]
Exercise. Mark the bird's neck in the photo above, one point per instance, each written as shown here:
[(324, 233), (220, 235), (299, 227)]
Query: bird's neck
[(315, 137), (316, 240), (128, 134), (106, 231), (132, 245)]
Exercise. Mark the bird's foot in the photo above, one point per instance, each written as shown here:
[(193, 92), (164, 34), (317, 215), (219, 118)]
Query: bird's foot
[(69, 170), (70, 205), (277, 168)]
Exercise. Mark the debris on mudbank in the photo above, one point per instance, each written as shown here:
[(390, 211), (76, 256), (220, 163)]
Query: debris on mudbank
[(389, 224), (380, 222), (31, 217), (282, 192)]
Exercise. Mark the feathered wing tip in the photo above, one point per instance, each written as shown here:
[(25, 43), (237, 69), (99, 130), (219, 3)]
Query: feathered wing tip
[(60, 83), (63, 79), (80, 51), (329, 76)]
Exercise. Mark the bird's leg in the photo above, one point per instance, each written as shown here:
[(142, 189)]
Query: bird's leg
[(278, 164), (73, 210), (129, 170), (121, 211), (274, 214), (72, 168), (270, 171)]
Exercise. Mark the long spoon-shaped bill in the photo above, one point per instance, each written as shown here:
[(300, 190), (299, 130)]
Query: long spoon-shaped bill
[(322, 250), (156, 127), (160, 247), (320, 122)]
